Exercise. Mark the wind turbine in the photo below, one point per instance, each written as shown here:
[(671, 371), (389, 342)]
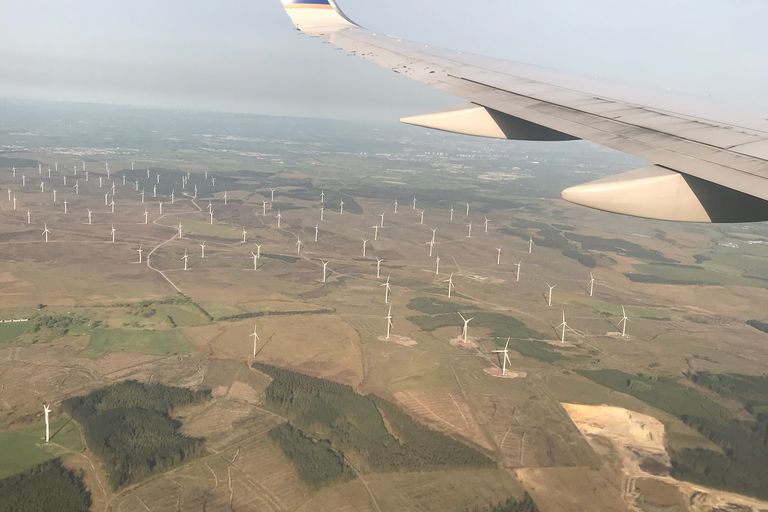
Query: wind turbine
[(47, 411), (375, 228), (465, 330), (181, 231), (256, 338), (517, 277), (421, 220), (564, 325), (46, 232), (245, 234), (279, 219), (322, 213), (325, 270), (505, 358), (29, 217), (90, 213), (272, 196), (42, 187), (185, 258), (387, 289), (431, 245), (258, 251), (140, 250), (113, 231), (378, 267), (469, 230), (202, 250), (530, 244), (146, 217), (365, 244), (623, 322), (341, 207), (255, 260), (264, 208), (437, 265), (498, 255), (395, 207), (317, 231), (160, 206), (381, 222), (225, 198), (414, 204), (14, 205), (467, 214), (389, 321), (591, 284), (487, 220), (450, 284), (322, 196), (434, 232), (451, 213), (298, 245), (112, 204), (211, 214), (549, 297)]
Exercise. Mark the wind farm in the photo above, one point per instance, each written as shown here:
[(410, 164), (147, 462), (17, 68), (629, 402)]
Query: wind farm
[(479, 334)]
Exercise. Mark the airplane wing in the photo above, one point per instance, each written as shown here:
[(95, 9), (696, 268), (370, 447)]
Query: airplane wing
[(701, 169)]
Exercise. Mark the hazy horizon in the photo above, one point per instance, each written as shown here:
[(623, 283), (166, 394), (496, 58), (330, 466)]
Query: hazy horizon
[(243, 56)]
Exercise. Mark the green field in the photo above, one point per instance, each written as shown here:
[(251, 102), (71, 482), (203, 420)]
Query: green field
[(660, 273), (205, 228), (10, 331), (104, 341), (183, 315), (22, 449)]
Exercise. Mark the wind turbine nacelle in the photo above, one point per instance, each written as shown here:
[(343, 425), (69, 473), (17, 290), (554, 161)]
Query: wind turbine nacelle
[(485, 122)]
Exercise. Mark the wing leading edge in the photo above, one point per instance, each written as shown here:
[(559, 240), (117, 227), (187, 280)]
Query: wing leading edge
[(702, 170)]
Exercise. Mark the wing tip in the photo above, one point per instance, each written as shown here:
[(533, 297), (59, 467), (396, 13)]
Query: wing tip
[(316, 16)]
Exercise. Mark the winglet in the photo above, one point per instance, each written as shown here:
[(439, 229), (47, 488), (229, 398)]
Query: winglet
[(316, 16)]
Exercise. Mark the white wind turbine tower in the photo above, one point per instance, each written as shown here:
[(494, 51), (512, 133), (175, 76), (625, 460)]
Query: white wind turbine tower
[(387, 289), (279, 219), (298, 245), (451, 213), (375, 228), (256, 338), (378, 267), (389, 321), (395, 207), (591, 284), (225, 198), (434, 232), (47, 411), (112, 204), (185, 258), (173, 196), (465, 330), (317, 231), (112, 231), (29, 217), (431, 245), (42, 187), (450, 284), (469, 230), (264, 208), (365, 244), (505, 360), (564, 326), (90, 213), (381, 222), (54, 196), (181, 231), (46, 232), (140, 250), (421, 220), (255, 261), (549, 297), (211, 214), (258, 251), (437, 265), (341, 207), (322, 196), (487, 220), (530, 244), (146, 216), (467, 214), (325, 270), (322, 213), (245, 234), (202, 250), (414, 204), (517, 276), (623, 322), (160, 206), (14, 205), (272, 196)]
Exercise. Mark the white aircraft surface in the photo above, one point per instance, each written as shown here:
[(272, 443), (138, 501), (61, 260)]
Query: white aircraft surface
[(704, 166)]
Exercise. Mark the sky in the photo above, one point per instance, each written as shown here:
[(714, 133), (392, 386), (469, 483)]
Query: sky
[(243, 56)]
